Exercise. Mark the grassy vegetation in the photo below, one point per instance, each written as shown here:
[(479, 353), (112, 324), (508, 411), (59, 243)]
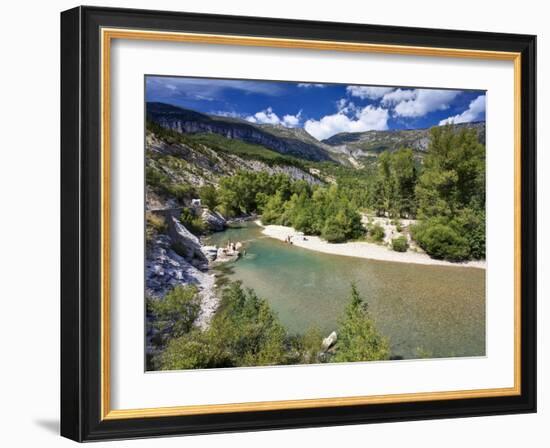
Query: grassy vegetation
[(154, 224), (244, 150)]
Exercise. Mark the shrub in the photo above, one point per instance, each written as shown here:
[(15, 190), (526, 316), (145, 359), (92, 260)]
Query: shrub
[(154, 224), (244, 332), (471, 224), (180, 191), (358, 338), (176, 312), (333, 231), (400, 244), (441, 241), (377, 232), (209, 196), (192, 222)]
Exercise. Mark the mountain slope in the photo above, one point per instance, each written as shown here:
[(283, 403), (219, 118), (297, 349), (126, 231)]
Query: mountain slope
[(177, 165), (371, 143), (191, 122)]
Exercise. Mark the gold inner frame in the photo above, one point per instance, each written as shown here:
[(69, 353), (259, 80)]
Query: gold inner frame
[(107, 35)]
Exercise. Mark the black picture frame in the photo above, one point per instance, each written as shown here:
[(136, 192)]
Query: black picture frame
[(81, 224)]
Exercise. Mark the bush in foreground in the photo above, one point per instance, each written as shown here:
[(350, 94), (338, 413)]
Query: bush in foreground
[(358, 338), (244, 332)]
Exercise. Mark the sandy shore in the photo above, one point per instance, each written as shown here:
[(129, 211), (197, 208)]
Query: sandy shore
[(359, 249)]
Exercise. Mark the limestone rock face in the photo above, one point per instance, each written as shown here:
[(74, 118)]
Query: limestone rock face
[(186, 244), (165, 269), (330, 340), (188, 121), (213, 220)]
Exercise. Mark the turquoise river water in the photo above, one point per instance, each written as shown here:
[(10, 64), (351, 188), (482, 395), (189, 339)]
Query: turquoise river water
[(431, 311)]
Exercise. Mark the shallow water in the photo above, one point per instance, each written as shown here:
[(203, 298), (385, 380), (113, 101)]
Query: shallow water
[(431, 311)]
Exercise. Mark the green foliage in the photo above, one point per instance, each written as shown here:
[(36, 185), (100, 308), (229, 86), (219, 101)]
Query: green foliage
[(358, 338), (244, 332), (154, 224), (454, 174), (392, 191), (440, 240), (318, 210), (451, 196), (400, 244), (176, 312), (376, 232), (209, 196), (306, 348), (158, 181), (192, 222), (471, 224), (244, 150)]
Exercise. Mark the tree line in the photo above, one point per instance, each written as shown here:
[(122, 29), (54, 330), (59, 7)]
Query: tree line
[(445, 192)]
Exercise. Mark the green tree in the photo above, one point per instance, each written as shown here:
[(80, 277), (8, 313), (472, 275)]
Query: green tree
[(358, 338), (453, 177), (244, 332), (176, 312), (405, 178), (451, 196), (209, 196)]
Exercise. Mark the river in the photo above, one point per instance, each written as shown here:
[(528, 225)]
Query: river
[(424, 311)]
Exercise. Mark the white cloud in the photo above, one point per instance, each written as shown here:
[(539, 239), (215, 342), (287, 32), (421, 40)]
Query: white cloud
[(307, 85), (291, 121), (397, 96), (366, 119), (366, 92), (267, 116), (474, 112), (345, 106), (423, 101)]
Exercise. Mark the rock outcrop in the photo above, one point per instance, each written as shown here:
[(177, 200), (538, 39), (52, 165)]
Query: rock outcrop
[(213, 220), (186, 244), (329, 341), (165, 269)]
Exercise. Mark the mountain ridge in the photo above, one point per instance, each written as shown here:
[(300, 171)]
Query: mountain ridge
[(347, 148), (189, 121)]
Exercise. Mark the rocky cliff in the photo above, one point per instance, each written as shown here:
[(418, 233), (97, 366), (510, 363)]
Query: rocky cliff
[(191, 122)]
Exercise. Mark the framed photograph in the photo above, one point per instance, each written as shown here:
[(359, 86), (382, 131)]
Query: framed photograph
[(277, 224)]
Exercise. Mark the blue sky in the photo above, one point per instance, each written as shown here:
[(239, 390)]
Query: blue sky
[(322, 110)]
